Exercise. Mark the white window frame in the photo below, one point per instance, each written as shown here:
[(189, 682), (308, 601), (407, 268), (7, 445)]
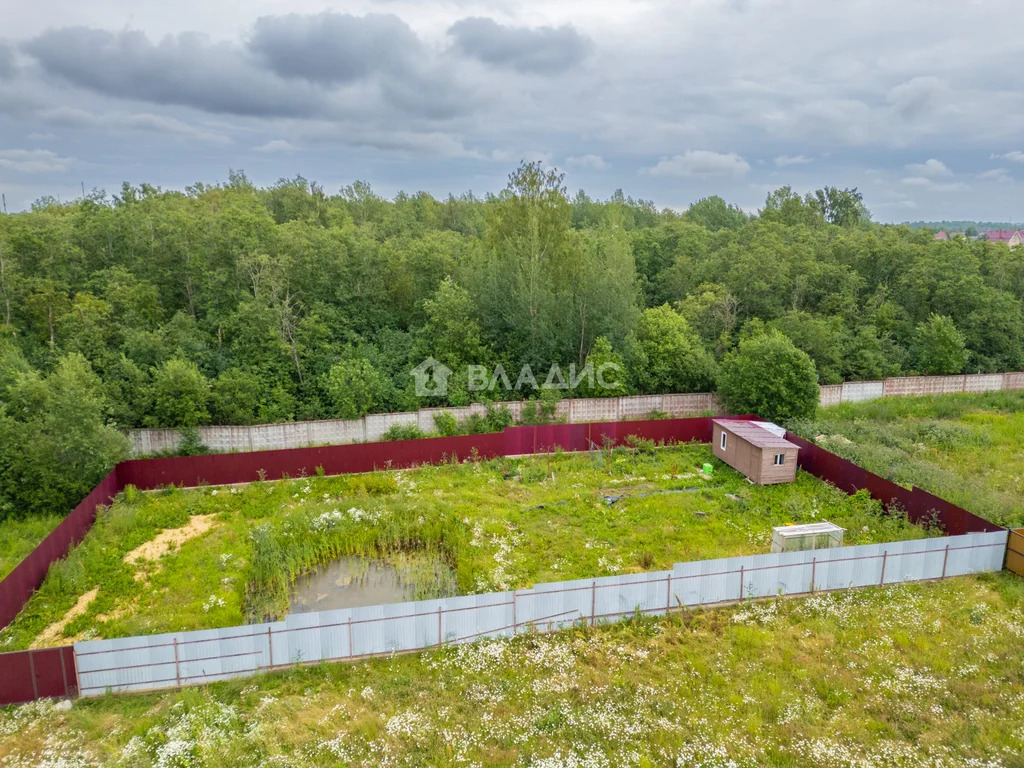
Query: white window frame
[(780, 459), (724, 436)]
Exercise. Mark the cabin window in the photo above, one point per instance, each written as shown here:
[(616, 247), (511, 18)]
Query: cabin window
[(723, 439), (780, 459)]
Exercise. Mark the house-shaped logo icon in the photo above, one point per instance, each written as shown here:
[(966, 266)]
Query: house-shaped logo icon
[(431, 377)]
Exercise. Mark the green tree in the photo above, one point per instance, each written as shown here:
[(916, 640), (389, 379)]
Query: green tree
[(451, 333), (767, 375), (939, 348), (180, 395), (714, 213), (354, 388), (235, 397), (668, 356), (609, 372), (54, 443)]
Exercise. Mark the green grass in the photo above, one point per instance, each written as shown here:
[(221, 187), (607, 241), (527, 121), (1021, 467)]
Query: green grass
[(968, 449), (19, 537), (495, 525), (916, 675)]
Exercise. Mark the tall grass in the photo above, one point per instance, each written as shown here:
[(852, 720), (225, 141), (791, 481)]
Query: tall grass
[(965, 448)]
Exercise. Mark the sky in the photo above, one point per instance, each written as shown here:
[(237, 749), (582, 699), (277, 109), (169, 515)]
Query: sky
[(920, 105)]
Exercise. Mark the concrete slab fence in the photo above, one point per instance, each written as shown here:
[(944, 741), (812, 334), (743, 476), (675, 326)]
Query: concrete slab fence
[(300, 434)]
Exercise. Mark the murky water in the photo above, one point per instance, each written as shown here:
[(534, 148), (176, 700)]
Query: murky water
[(350, 582)]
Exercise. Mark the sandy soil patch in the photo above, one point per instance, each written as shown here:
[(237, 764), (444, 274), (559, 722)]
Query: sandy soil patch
[(170, 539), (55, 632)]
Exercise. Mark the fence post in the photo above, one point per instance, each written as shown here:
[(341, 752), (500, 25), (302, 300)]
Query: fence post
[(177, 666), (593, 603), (668, 593), (945, 558), (741, 583), (270, 650), (439, 625), (32, 674), (885, 556), (515, 618), (351, 648), (64, 671), (814, 570)]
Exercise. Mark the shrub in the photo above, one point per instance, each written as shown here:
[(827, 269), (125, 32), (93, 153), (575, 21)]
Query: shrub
[(769, 376), (446, 424), (402, 432)]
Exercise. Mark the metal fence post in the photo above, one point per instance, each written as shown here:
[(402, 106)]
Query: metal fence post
[(741, 582), (351, 648), (177, 667), (593, 603), (64, 671), (885, 556), (814, 570), (439, 625), (668, 593), (32, 674), (270, 650), (515, 618), (945, 559)]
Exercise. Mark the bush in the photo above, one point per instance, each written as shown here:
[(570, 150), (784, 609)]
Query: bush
[(403, 432), (769, 376), (446, 424)]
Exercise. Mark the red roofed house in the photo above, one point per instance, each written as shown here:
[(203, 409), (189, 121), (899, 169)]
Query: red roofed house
[(758, 449), (1012, 237), (941, 235)]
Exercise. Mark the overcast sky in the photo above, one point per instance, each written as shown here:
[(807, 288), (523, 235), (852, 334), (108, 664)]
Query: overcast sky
[(918, 104)]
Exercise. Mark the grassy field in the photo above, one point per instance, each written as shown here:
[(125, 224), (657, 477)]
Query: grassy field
[(221, 556), (917, 675), (968, 449), (19, 537)]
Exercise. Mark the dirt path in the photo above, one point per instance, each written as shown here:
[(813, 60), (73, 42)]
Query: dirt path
[(54, 634), (171, 538)]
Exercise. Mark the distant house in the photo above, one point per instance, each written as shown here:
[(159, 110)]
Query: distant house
[(941, 235), (1011, 237), (758, 449)]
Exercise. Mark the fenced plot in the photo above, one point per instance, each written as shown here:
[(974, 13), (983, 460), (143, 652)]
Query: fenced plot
[(185, 658)]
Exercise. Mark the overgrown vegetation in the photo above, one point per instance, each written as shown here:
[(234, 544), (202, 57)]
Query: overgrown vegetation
[(964, 448), (499, 524), (917, 675)]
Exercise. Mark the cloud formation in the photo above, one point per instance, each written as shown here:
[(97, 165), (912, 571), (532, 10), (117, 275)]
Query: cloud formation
[(33, 161), (448, 97), (701, 162), (335, 47), (931, 168), (540, 50)]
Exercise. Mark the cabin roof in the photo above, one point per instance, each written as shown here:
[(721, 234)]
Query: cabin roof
[(754, 434)]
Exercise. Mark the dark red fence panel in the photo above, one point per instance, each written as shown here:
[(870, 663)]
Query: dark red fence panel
[(31, 675), (26, 577)]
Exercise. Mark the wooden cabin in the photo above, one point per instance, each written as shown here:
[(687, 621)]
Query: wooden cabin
[(757, 449)]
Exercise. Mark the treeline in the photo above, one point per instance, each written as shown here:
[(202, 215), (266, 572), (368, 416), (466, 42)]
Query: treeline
[(233, 304)]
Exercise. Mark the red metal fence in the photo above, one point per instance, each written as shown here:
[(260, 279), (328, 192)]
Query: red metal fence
[(18, 586), (37, 674)]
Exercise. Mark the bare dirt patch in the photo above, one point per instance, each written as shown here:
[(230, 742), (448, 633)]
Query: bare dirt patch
[(55, 632), (171, 539)]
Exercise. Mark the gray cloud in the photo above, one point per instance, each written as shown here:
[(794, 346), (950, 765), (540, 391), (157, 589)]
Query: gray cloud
[(701, 162), (6, 59), (335, 47), (185, 69), (541, 50)]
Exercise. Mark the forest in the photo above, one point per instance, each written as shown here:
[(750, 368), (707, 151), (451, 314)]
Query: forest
[(234, 304)]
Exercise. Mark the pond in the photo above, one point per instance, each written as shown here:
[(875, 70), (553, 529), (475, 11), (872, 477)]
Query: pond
[(350, 582)]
